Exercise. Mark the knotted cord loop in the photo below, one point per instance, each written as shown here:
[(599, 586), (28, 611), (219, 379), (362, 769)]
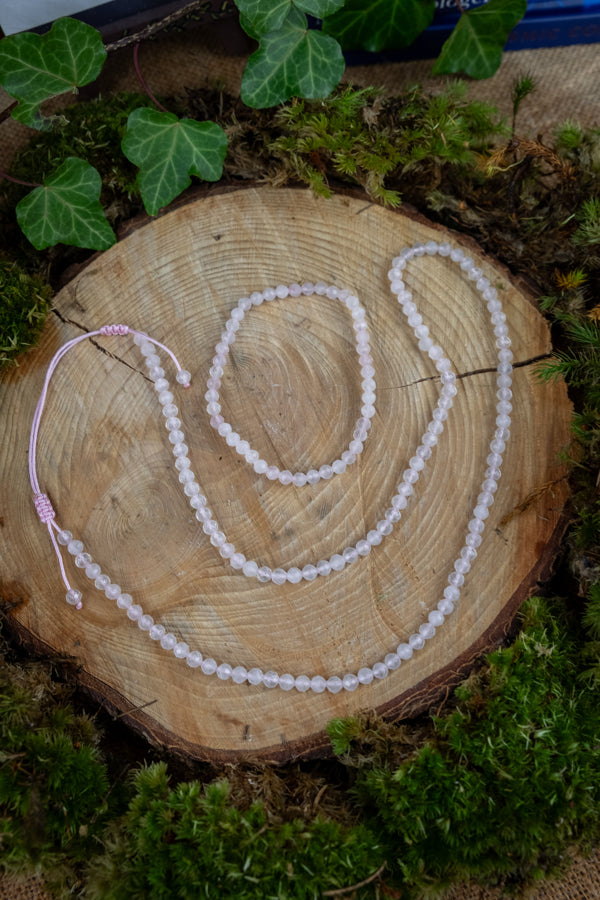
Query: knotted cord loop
[(44, 508), (114, 329)]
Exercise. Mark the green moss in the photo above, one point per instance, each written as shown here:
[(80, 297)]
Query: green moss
[(508, 779), (190, 841), (358, 135), (24, 304), (53, 784), (92, 131)]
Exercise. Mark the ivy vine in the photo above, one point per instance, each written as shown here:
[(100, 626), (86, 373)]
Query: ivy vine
[(293, 59)]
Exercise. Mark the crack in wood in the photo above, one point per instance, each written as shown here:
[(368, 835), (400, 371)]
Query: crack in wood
[(98, 346), (516, 365)]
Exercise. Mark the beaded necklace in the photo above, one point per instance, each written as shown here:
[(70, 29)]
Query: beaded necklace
[(350, 555)]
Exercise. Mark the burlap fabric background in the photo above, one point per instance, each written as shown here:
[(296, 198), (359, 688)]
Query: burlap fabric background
[(568, 87)]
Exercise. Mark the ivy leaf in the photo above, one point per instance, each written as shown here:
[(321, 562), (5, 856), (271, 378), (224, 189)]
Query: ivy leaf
[(375, 25), (35, 67), (168, 151), (259, 17), (475, 46), (292, 61), (66, 209)]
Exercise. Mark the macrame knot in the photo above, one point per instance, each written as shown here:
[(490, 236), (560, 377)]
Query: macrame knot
[(114, 329), (44, 508)]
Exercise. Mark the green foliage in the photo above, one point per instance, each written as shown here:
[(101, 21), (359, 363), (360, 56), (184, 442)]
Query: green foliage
[(475, 46), (91, 131), (379, 24), (292, 61), (260, 17), (190, 841), (67, 209), (508, 777), (569, 135), (591, 618), (53, 785), (589, 217), (350, 135), (25, 304), (34, 68), (168, 150), (580, 364)]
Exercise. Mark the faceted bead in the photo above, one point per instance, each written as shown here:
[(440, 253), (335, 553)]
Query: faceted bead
[(209, 666), (334, 684), (436, 618), (323, 567), (350, 682), (270, 679), (255, 676), (278, 576), (75, 547), (427, 630), (63, 537), (102, 582), (250, 568), (392, 661), (337, 562), (445, 607), (404, 651), (224, 671), (318, 684), (302, 683), (264, 574), (82, 560), (363, 548), (239, 674), (156, 632), (380, 670), (73, 597), (237, 560), (168, 641), (416, 641), (365, 675), (309, 572), (124, 601), (134, 612), (294, 575), (194, 659), (112, 591), (286, 682), (181, 650), (145, 622)]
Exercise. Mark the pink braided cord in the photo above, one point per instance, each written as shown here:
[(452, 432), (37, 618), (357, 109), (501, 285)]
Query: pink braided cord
[(114, 329), (44, 508)]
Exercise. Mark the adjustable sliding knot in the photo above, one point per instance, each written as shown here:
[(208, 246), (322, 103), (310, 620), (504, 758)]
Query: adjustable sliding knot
[(114, 329), (44, 508)]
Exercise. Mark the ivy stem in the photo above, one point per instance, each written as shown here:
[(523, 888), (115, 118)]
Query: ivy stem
[(142, 80), (8, 177), (461, 8)]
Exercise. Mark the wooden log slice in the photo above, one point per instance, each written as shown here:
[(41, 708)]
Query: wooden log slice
[(292, 388)]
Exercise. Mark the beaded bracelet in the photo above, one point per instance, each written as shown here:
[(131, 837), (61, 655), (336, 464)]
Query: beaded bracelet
[(293, 574)]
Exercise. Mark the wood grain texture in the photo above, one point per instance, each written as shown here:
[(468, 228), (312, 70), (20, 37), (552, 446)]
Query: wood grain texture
[(292, 388)]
